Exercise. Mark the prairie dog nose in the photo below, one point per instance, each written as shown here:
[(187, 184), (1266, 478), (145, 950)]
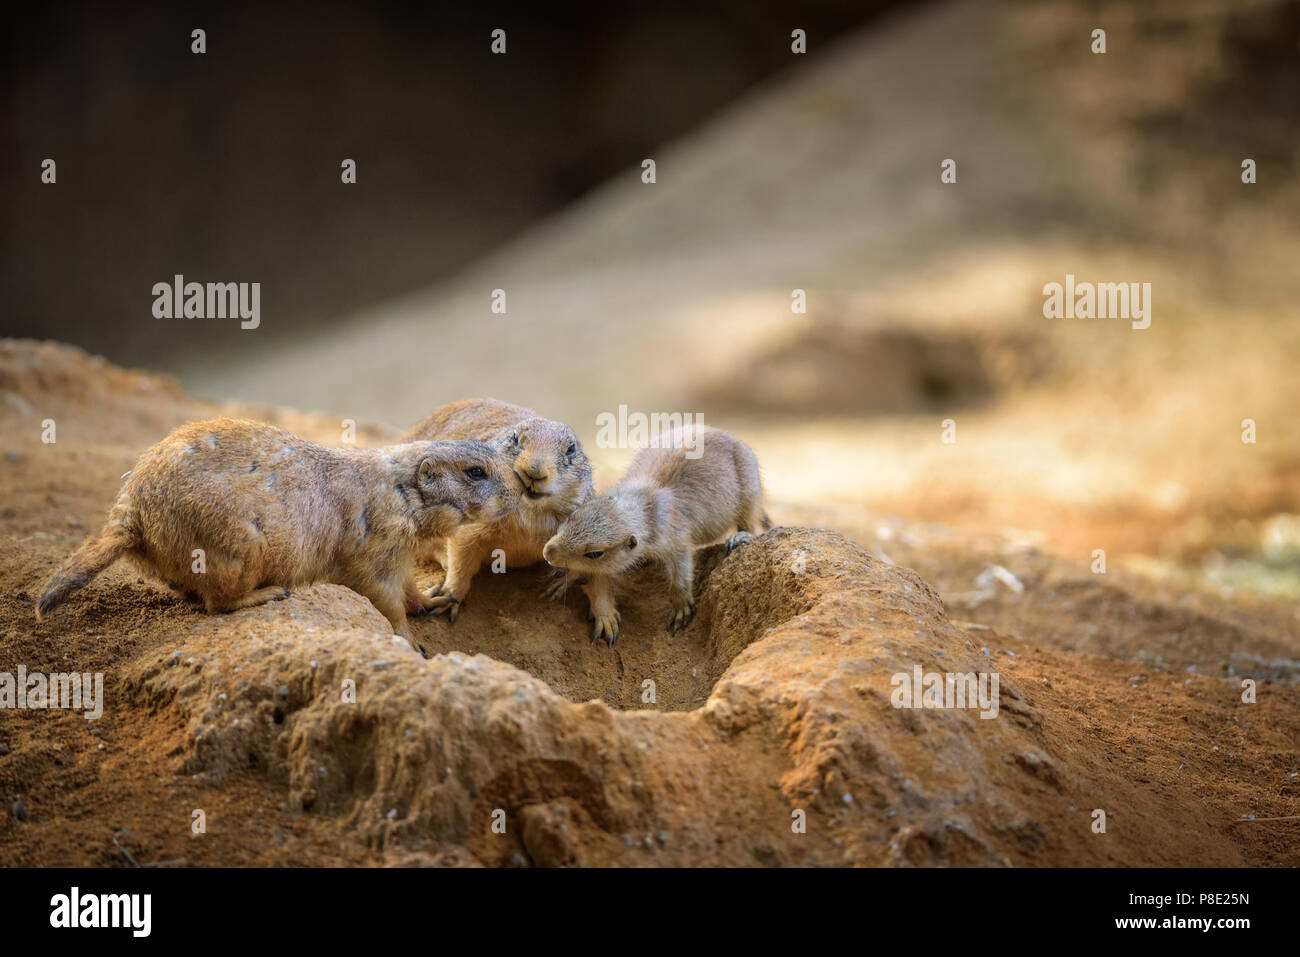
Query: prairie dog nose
[(548, 551), (535, 469)]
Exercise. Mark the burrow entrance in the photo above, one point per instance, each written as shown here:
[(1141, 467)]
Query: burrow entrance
[(505, 617)]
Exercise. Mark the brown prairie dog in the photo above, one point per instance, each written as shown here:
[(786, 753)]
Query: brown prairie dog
[(550, 469), (699, 485), (271, 511)]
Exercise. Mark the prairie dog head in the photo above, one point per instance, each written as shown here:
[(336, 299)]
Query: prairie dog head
[(607, 535), (548, 462), (457, 482)]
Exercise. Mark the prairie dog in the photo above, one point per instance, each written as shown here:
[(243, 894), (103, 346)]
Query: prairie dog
[(552, 474), (271, 511), (666, 506)]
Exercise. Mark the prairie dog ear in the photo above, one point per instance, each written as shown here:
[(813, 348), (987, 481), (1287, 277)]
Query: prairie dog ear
[(427, 470), (631, 542)]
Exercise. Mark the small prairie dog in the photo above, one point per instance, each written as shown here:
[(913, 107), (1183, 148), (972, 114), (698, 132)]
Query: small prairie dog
[(271, 511), (668, 504), (552, 474)]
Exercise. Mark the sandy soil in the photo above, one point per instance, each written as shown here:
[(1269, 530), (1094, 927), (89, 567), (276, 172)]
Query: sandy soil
[(1117, 692)]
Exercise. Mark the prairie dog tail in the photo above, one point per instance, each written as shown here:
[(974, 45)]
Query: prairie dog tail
[(86, 562)]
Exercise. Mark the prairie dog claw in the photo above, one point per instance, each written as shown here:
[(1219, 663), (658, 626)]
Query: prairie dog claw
[(607, 626)]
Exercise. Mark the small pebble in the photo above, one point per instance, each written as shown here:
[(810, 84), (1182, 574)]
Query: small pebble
[(283, 691), (4, 749), (20, 812)]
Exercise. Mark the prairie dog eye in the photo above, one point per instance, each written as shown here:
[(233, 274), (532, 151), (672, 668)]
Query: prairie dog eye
[(572, 450), (476, 473), (593, 554)]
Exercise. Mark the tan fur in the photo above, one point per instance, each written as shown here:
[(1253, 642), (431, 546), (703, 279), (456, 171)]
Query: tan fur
[(552, 483), (667, 505), (272, 511)]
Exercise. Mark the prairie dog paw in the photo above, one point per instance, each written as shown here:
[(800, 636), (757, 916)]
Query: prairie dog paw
[(440, 601), (740, 538), (607, 626), (418, 603), (558, 586), (681, 616)]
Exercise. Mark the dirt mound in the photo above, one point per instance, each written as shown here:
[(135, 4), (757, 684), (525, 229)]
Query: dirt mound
[(52, 369), (799, 635), (766, 733), (802, 628)]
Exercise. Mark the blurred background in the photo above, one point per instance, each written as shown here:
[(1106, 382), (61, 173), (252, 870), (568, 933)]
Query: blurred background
[(228, 164), (775, 172)]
